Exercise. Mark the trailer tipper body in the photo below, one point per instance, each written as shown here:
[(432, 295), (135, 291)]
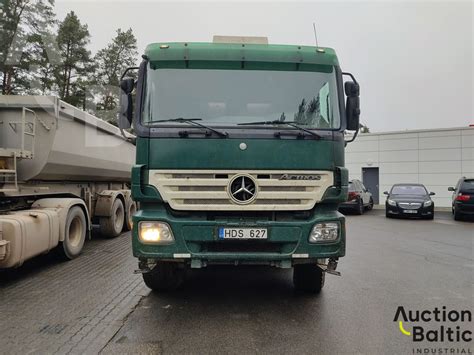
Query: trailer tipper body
[(240, 158), (61, 169)]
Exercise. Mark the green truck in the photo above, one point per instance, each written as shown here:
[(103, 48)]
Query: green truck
[(240, 158)]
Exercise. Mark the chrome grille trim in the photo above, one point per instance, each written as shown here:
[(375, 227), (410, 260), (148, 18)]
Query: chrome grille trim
[(409, 206), (206, 190)]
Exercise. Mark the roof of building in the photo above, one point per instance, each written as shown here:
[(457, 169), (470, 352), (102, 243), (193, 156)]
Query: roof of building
[(269, 53)]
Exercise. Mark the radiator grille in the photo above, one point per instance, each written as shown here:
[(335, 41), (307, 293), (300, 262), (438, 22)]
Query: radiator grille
[(208, 190), (409, 205)]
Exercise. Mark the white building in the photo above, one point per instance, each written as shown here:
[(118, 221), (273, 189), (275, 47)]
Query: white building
[(436, 158)]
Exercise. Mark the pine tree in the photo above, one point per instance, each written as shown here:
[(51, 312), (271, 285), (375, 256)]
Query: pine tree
[(73, 37), (22, 21), (364, 128), (110, 63)]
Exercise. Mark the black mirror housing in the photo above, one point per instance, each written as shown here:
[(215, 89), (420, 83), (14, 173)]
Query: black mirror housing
[(351, 88), (352, 113), (385, 192), (432, 194), (352, 91), (127, 85), (126, 103), (450, 188)]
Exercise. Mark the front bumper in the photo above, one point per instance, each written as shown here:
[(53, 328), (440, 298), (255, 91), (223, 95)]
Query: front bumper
[(401, 212), (196, 240)]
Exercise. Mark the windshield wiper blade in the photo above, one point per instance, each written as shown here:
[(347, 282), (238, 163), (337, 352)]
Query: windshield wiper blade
[(192, 121), (280, 123)]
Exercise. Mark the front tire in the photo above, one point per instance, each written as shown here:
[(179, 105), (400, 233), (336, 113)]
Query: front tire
[(165, 276), (74, 234), (308, 278), (112, 225)]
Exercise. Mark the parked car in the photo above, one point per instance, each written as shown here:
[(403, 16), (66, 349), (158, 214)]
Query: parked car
[(409, 200), (463, 198), (359, 198)]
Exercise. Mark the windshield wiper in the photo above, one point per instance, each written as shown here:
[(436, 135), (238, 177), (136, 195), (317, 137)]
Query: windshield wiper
[(192, 121), (280, 123)]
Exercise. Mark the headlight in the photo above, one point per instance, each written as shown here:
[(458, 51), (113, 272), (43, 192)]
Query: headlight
[(427, 203), (324, 232), (391, 202), (155, 233)]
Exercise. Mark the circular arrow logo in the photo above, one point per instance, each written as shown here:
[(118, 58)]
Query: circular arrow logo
[(242, 189)]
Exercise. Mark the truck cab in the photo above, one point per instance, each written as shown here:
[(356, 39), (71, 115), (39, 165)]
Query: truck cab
[(239, 159)]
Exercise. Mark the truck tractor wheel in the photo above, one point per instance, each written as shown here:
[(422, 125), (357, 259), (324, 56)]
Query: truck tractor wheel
[(74, 234), (165, 276), (132, 208), (112, 226), (308, 278), (360, 207)]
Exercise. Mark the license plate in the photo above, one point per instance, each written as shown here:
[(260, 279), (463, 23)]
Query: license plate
[(242, 233), (410, 211)]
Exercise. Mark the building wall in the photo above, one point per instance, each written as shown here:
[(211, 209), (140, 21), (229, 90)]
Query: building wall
[(435, 158)]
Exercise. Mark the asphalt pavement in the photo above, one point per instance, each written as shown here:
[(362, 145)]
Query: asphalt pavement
[(96, 304), (416, 264)]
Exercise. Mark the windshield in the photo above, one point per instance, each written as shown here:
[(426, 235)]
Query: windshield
[(409, 190), (229, 97)]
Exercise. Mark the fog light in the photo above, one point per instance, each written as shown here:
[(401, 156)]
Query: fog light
[(324, 232), (155, 233)]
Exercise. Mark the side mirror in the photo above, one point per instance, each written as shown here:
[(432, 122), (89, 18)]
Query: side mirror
[(432, 194), (352, 91), (451, 188), (126, 103), (385, 193)]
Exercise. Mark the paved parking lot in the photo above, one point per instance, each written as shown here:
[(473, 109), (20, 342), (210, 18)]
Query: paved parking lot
[(96, 303)]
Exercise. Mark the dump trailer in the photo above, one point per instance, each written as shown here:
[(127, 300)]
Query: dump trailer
[(61, 170), (240, 158)]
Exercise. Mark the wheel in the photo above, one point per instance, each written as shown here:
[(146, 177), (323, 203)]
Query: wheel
[(360, 207), (165, 276), (112, 226), (308, 278), (132, 208), (371, 204), (74, 234), (457, 215)]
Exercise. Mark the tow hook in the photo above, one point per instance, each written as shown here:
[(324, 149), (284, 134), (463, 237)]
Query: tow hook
[(144, 267), (330, 267)]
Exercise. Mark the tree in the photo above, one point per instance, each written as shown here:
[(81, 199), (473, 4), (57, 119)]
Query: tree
[(73, 37), (110, 63), (21, 20), (364, 128)]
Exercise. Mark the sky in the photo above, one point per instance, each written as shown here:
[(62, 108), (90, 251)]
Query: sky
[(413, 60)]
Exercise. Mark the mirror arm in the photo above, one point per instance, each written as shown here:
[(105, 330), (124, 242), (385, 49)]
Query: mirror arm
[(352, 77), (127, 70), (353, 137)]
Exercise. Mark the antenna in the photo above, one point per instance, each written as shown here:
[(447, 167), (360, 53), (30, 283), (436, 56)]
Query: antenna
[(315, 35)]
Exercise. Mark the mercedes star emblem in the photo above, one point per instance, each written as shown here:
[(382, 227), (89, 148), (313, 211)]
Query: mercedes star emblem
[(242, 189)]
